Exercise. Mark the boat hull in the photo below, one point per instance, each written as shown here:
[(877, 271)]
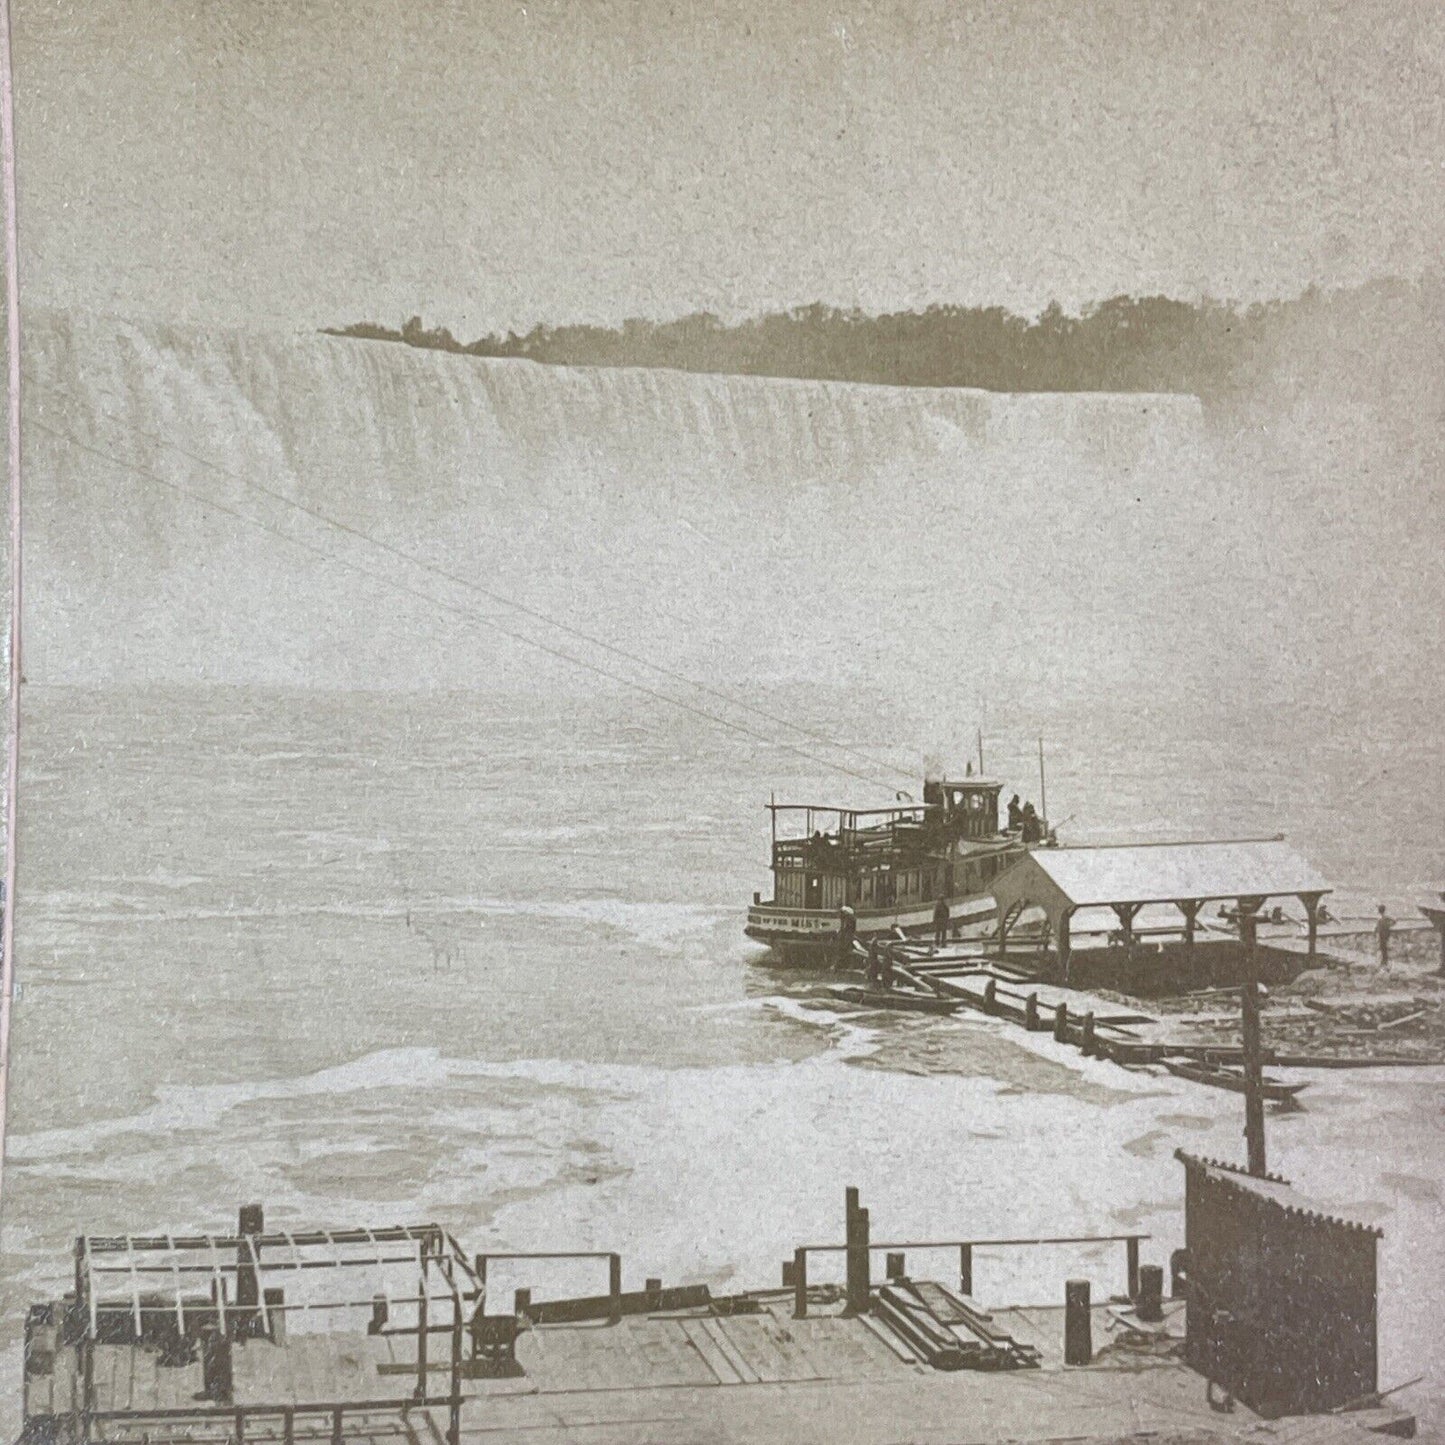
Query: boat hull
[(809, 936)]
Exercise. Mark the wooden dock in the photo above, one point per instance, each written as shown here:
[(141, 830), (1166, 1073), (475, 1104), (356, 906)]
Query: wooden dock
[(1007, 988)]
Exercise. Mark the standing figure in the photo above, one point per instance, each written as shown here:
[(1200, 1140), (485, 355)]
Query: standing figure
[(940, 923), (847, 932), (1015, 814), (872, 971), (1383, 926)]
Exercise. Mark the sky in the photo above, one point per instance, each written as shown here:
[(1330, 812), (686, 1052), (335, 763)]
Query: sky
[(298, 163)]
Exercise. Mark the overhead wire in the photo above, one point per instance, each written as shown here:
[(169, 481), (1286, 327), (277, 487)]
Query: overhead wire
[(473, 617), (500, 598)]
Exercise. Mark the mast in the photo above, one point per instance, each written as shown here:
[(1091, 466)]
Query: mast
[(1043, 790), (980, 752)]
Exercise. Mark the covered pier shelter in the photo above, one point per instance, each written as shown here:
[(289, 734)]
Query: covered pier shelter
[(1126, 878)]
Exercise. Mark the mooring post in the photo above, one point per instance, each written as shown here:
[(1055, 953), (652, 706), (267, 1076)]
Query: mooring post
[(216, 1374), (1061, 1022), (1031, 1013), (249, 1228), (800, 1284), (1131, 1247), (1150, 1303), (1086, 1043), (965, 1270), (856, 1237), (990, 994), (614, 1287), (1078, 1333)]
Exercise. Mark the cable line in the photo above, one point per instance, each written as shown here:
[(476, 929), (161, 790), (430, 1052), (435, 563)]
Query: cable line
[(505, 601), (476, 618)]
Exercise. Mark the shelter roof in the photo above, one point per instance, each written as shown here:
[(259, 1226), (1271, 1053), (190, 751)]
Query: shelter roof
[(1167, 872)]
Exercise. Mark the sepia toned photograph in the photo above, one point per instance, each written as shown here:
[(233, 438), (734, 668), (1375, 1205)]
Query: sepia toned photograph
[(723, 722)]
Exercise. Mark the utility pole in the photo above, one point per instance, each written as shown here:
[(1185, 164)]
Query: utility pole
[(1253, 1052)]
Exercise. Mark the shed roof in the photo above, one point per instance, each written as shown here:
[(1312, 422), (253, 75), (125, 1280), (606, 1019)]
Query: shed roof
[(1273, 1189), (1166, 872)]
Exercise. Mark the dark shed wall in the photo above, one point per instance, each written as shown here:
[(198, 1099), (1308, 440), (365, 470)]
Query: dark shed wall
[(1298, 1291)]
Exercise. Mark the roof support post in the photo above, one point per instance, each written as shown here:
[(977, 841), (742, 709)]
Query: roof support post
[(1311, 902), (1126, 912), (424, 1275), (1189, 907)]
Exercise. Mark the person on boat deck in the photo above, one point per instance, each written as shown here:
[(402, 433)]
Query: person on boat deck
[(1015, 814), (1032, 828), (1383, 925), (847, 932), (941, 921)]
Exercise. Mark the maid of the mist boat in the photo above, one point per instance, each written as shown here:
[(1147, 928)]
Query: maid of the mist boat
[(889, 865)]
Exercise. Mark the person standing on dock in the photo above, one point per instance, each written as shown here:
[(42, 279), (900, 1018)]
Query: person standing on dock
[(941, 921), (871, 973), (1384, 925), (847, 932)]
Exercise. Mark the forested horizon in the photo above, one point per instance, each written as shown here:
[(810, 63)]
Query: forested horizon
[(1208, 348)]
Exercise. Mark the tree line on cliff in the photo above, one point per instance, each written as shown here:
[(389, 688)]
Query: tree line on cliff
[(1209, 348)]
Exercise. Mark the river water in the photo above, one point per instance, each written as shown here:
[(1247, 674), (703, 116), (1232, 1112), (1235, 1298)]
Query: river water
[(370, 958)]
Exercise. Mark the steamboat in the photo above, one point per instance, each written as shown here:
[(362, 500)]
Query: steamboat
[(887, 867)]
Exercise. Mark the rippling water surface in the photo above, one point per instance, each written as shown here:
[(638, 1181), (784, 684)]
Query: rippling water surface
[(370, 958)]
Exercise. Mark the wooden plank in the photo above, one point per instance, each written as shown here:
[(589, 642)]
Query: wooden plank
[(733, 1355), (711, 1355), (881, 1332)]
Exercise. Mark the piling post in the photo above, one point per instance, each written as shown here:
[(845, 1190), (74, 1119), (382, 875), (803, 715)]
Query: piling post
[(1150, 1301), (614, 1288), (856, 1235), (1078, 1332), (216, 1376), (1086, 1042), (990, 994), (250, 1225), (965, 1270), (1031, 1013), (800, 1284), (1061, 1023), (1131, 1248)]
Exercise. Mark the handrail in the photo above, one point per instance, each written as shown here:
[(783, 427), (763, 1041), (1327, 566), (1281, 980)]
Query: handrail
[(965, 1248), (980, 1243)]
